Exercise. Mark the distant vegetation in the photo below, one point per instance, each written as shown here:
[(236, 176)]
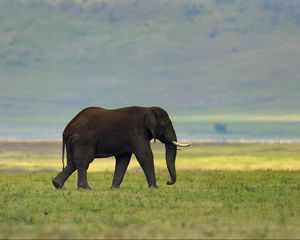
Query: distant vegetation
[(221, 127)]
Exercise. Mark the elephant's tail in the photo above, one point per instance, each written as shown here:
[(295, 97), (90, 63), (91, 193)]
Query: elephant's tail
[(63, 153)]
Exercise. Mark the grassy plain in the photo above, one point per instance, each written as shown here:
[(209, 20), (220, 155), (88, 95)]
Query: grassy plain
[(223, 191)]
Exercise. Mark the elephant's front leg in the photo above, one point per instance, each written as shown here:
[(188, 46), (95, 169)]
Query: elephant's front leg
[(122, 161), (144, 156)]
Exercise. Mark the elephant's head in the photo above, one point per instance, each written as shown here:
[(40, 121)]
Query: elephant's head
[(159, 126)]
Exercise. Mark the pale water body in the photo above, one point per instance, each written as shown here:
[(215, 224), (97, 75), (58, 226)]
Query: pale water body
[(240, 131), (232, 131)]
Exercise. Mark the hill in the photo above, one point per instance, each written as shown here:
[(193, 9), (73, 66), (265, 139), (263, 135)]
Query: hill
[(190, 57)]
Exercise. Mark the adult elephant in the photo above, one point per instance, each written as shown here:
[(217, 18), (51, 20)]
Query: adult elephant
[(96, 133)]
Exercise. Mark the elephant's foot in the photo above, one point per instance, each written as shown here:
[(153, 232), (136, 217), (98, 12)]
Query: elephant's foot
[(84, 188), (56, 184), (114, 186), (152, 186)]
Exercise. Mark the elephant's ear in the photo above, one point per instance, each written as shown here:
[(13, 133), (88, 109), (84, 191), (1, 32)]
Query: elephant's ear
[(151, 122)]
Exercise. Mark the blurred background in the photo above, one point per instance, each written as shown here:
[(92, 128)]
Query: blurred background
[(225, 70)]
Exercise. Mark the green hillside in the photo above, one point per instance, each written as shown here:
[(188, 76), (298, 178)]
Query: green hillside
[(191, 57)]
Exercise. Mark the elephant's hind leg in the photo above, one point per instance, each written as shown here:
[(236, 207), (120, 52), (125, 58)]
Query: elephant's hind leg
[(122, 162), (60, 179), (83, 156)]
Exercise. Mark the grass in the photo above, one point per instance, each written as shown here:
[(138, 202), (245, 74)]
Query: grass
[(203, 204), (210, 200)]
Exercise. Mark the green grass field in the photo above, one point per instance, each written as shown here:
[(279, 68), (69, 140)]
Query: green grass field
[(223, 191)]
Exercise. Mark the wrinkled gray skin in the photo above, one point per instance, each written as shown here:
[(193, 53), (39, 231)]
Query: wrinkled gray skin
[(96, 133)]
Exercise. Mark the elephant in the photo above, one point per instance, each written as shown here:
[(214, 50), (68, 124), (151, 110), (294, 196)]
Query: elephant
[(98, 133)]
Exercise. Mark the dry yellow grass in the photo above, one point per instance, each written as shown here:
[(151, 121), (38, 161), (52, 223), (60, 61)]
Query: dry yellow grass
[(47, 156)]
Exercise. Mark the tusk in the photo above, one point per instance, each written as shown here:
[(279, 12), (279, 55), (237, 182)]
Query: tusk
[(178, 148), (181, 144)]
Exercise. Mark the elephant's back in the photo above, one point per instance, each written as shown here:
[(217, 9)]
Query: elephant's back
[(100, 121), (83, 118)]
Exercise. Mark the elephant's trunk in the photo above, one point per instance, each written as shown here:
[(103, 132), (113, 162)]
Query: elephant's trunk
[(171, 151)]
